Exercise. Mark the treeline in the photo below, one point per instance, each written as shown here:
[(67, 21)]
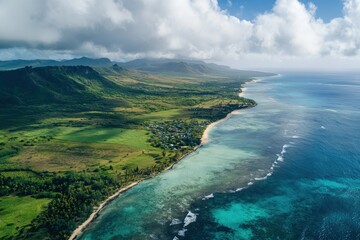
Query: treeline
[(72, 205), (220, 111), (45, 185), (73, 194)]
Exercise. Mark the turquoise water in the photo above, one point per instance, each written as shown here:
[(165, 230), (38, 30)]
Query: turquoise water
[(286, 169)]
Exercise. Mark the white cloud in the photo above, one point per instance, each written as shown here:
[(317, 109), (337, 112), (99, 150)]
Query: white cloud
[(290, 29), (343, 34), (312, 8), (123, 29)]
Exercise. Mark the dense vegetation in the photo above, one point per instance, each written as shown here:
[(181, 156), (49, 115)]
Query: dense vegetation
[(73, 196), (71, 136)]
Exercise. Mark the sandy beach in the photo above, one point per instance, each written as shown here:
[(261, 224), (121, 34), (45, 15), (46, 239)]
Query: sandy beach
[(242, 92), (205, 136), (92, 217)]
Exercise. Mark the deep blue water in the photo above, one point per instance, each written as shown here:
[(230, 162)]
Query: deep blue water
[(286, 169)]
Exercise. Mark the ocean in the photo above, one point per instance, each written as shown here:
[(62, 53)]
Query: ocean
[(288, 168)]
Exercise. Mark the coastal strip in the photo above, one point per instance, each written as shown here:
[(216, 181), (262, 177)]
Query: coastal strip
[(205, 136), (93, 216)]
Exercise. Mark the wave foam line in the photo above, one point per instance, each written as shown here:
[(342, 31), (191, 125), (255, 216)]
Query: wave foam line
[(208, 196), (280, 158), (190, 218)]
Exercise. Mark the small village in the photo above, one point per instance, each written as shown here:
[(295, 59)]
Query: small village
[(176, 134)]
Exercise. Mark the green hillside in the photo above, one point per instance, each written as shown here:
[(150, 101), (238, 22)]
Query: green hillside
[(53, 85)]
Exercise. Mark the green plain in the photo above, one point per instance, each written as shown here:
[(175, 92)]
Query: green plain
[(17, 212)]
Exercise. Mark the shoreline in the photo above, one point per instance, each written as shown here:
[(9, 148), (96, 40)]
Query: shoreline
[(205, 137), (79, 230)]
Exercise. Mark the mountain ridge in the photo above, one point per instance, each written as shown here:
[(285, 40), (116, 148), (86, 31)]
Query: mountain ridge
[(150, 65), (83, 61), (52, 84)]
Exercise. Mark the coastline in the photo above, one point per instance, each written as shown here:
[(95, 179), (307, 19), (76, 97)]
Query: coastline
[(205, 136), (94, 215)]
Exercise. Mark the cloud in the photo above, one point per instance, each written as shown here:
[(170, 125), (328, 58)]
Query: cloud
[(343, 34), (59, 24), (124, 29), (290, 29)]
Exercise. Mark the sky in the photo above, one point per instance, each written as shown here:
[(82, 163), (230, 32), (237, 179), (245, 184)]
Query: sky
[(247, 34), (249, 9)]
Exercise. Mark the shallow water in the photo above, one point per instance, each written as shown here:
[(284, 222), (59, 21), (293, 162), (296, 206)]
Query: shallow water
[(286, 169)]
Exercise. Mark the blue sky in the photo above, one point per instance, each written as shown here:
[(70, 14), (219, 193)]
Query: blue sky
[(248, 9)]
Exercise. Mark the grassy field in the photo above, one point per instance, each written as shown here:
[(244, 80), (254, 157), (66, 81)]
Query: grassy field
[(18, 212), (82, 148), (103, 132)]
